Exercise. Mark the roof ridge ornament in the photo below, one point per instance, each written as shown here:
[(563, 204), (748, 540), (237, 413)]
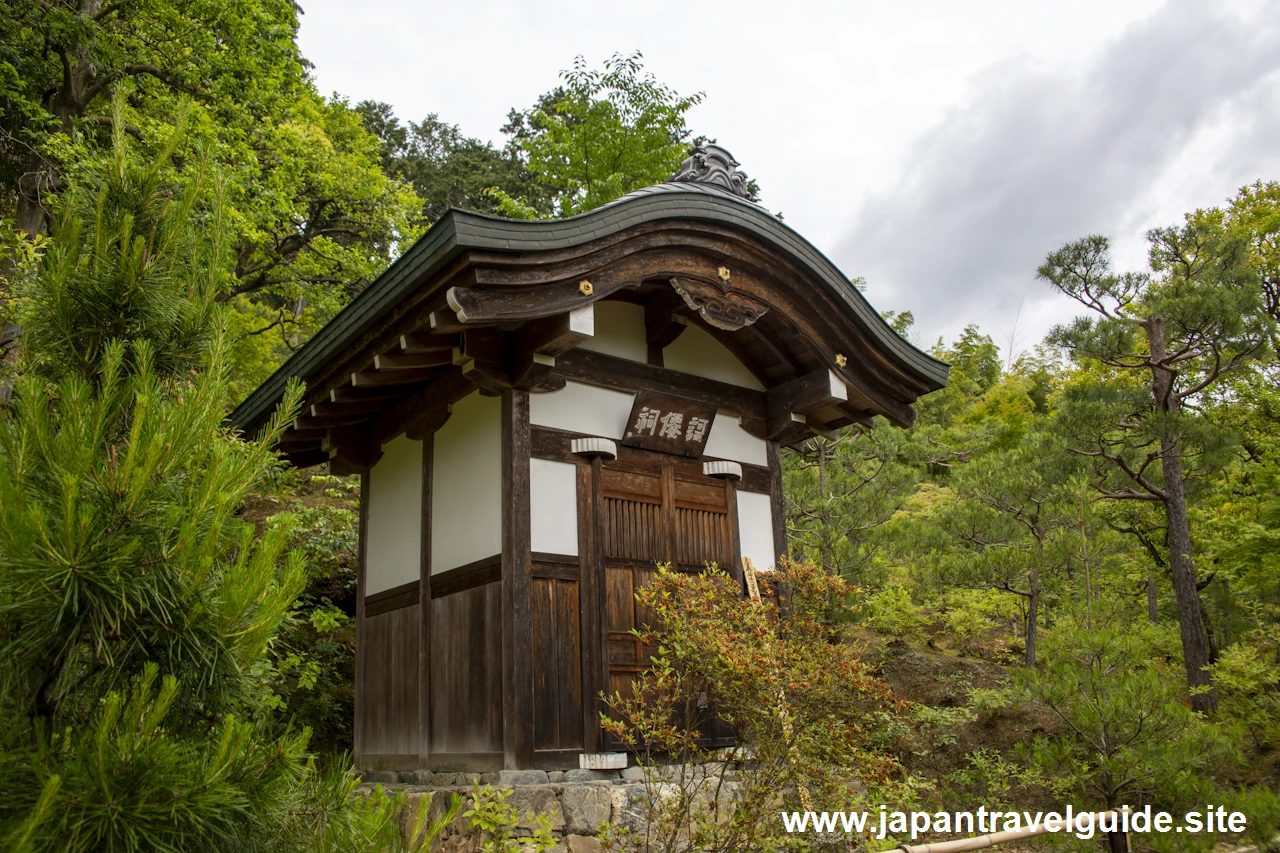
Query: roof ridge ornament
[(711, 164)]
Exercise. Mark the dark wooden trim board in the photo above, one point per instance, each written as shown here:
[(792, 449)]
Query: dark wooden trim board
[(556, 759), (477, 573), (388, 761), (464, 762), (517, 646), (607, 371), (555, 571), (424, 621), (544, 557), (551, 443), (404, 595)]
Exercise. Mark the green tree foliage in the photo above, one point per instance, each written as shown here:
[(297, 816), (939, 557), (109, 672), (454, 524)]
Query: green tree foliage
[(840, 492), (1126, 736), (597, 137), (1161, 341), (447, 169), (136, 609), (311, 216)]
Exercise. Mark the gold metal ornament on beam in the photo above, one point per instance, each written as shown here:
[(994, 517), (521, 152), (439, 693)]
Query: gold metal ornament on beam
[(585, 287), (841, 361), (724, 274)]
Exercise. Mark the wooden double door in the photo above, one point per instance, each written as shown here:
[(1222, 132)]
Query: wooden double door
[(584, 616)]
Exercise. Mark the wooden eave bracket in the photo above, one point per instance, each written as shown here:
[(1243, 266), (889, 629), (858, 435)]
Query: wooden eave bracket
[(353, 449), (796, 407)]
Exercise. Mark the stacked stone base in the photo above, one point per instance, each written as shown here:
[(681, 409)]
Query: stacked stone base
[(579, 803)]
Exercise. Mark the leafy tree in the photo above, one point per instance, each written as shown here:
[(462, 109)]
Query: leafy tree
[(600, 135), (1163, 340), (447, 169), (136, 609), (311, 216)]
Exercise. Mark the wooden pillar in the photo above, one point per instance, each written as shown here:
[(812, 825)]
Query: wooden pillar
[(517, 640), (362, 558), (735, 535), (590, 598), (777, 503), (424, 609)]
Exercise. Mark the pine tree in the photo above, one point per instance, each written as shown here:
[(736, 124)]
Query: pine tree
[(135, 607), (1158, 344)]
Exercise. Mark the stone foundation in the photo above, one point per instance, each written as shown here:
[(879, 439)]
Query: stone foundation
[(579, 802)]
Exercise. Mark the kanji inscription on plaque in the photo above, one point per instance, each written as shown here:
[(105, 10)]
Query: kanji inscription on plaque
[(669, 424)]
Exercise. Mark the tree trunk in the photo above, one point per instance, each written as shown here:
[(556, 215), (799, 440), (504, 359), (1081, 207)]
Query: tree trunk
[(1153, 613), (1194, 653), (827, 557), (1033, 608)]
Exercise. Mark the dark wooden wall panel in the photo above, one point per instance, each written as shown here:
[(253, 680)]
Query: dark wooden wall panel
[(389, 672), (557, 665), (466, 671)]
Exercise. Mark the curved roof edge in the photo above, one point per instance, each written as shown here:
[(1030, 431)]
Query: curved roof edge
[(459, 230)]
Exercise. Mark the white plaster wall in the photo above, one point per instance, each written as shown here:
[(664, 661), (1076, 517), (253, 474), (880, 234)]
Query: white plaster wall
[(755, 529), (619, 331), (466, 488), (394, 554), (553, 506), (728, 440), (583, 408), (696, 352)]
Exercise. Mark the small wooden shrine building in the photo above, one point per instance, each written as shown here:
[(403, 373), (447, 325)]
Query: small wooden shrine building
[(541, 411)]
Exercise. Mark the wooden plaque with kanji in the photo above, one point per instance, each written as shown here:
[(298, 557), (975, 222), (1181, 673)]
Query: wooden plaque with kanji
[(669, 424)]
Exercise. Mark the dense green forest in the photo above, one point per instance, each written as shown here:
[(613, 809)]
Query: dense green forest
[(1061, 584)]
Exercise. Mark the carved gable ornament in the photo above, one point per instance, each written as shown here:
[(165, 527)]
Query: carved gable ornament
[(728, 310), (711, 164)]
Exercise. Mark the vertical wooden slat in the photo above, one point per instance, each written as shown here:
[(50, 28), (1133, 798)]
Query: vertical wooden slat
[(361, 666), (517, 692), (669, 513)]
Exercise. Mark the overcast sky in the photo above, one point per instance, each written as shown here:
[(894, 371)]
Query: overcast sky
[(939, 149)]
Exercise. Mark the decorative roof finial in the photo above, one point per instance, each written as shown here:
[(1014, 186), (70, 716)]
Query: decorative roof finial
[(711, 164)]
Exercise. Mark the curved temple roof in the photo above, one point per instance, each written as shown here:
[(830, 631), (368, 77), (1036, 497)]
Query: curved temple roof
[(698, 230)]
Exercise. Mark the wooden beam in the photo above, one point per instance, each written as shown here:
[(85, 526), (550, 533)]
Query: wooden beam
[(472, 305), (396, 361), (517, 645), (812, 391), (353, 446), (365, 393), (606, 371), (662, 325), (556, 335), (306, 458), (382, 378), (324, 422), (323, 410), (445, 322), (421, 407), (417, 342)]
